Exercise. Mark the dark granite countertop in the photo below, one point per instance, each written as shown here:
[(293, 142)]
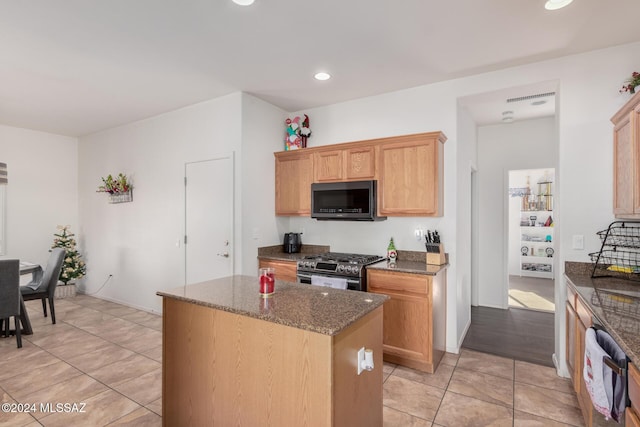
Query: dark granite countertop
[(615, 302), (407, 261), (318, 309), (275, 252), (410, 262)]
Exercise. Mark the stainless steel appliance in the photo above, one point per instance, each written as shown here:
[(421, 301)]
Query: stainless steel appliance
[(347, 201), (337, 265), (292, 243)]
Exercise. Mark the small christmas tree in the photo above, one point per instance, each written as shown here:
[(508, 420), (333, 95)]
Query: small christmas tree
[(72, 266)]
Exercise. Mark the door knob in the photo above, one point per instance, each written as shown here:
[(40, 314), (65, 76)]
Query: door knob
[(224, 254)]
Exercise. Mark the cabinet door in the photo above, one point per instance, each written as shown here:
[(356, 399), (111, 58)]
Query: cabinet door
[(360, 163), (635, 135), (623, 169), (410, 178), (294, 172), (328, 165), (285, 270), (634, 387), (407, 325), (570, 344), (405, 331)]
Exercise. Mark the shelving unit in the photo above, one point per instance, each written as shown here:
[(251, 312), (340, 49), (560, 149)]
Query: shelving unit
[(536, 233), (619, 255)]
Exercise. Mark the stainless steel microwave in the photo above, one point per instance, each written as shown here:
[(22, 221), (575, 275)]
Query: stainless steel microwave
[(350, 201)]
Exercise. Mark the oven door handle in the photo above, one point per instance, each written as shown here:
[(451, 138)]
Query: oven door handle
[(306, 278)]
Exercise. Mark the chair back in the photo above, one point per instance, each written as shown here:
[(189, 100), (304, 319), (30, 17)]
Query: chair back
[(52, 272), (9, 288)]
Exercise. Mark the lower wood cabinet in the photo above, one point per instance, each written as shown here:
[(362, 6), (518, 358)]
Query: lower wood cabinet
[(570, 346), (579, 319), (414, 326), (285, 270), (632, 413)]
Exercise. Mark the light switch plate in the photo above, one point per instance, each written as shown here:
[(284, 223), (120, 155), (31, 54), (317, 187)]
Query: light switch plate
[(578, 241)]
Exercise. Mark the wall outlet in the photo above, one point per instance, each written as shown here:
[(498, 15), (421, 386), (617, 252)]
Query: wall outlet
[(360, 360), (578, 241), (418, 234)]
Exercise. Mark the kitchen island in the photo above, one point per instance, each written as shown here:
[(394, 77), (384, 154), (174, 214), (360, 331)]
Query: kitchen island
[(231, 357)]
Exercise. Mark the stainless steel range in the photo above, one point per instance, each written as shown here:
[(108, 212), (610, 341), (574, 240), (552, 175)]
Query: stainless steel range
[(337, 268)]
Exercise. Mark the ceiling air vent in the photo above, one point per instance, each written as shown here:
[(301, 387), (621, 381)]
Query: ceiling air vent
[(529, 97)]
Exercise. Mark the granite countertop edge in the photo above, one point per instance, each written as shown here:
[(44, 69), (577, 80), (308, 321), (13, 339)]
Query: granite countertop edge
[(586, 287), (317, 325), (412, 267)]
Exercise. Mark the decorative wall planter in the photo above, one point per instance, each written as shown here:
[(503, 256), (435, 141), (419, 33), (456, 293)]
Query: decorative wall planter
[(125, 197), (65, 291)]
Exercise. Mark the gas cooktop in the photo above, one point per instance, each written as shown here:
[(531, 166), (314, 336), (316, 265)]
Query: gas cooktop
[(342, 258)]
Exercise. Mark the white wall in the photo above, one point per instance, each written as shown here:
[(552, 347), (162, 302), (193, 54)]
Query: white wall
[(263, 131), (467, 158), (137, 242), (528, 144), (42, 192)]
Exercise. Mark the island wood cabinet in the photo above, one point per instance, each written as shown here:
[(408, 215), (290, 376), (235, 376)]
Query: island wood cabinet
[(409, 170), (223, 368), (414, 326), (285, 270), (294, 173), (411, 176), (626, 160)]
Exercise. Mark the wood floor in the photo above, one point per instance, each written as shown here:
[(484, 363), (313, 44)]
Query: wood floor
[(515, 333)]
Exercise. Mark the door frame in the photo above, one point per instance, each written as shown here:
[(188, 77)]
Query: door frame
[(232, 239)]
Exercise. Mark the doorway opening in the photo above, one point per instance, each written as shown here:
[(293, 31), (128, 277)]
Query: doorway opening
[(531, 239)]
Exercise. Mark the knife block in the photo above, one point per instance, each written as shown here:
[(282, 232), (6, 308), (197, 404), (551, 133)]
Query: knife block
[(435, 254)]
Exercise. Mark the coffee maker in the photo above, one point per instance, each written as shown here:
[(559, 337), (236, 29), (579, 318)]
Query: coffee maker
[(292, 243)]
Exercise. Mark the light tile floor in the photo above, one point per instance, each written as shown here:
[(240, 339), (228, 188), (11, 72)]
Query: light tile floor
[(109, 356)]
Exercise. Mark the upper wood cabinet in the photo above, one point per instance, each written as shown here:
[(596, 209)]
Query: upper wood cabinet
[(411, 176), (626, 160), (347, 164), (294, 173), (408, 169)]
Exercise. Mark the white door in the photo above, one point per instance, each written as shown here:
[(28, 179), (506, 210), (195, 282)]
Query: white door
[(208, 219)]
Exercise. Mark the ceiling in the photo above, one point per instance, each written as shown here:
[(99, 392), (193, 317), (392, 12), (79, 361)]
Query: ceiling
[(74, 67)]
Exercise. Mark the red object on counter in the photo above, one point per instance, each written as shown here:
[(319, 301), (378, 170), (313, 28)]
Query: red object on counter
[(267, 282)]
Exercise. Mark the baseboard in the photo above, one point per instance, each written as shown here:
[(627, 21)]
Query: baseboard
[(117, 301), (456, 350)]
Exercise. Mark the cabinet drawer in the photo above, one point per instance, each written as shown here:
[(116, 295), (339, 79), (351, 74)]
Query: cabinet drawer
[(285, 270), (399, 282), (634, 387), (583, 313)]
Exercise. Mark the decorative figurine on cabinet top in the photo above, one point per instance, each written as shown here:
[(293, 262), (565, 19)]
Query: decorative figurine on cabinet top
[(297, 133)]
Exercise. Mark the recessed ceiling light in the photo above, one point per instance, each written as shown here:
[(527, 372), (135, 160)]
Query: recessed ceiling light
[(507, 119), (540, 102), (504, 113), (243, 2), (322, 76), (556, 4)]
